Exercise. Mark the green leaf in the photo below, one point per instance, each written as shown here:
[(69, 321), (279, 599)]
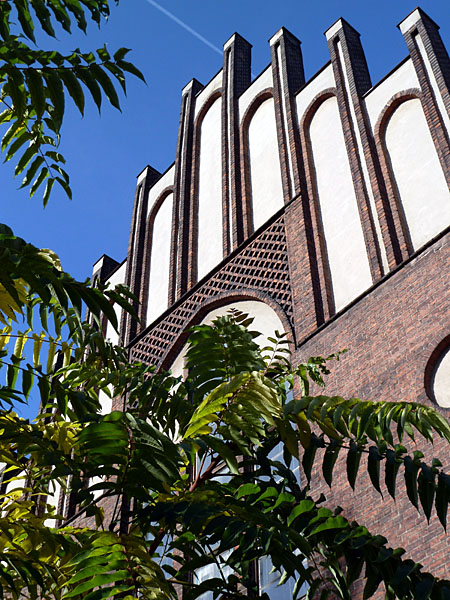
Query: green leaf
[(98, 580), (56, 92), (411, 470), (303, 507), (353, 461), (25, 18), (73, 87), (43, 16), (391, 470), (105, 82), (373, 466), (32, 170), (23, 137), (29, 153), (27, 382), (130, 68), (66, 187), (33, 78), (442, 498), (426, 488), (48, 190), (38, 181), (85, 75), (225, 453), (309, 456), (329, 460)]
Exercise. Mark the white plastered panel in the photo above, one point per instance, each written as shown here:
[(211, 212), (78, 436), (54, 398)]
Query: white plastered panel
[(265, 171), (322, 81), (210, 245), (165, 181), (347, 256), (213, 85), (418, 175), (403, 78), (158, 293), (264, 81), (441, 380), (434, 84), (117, 277)]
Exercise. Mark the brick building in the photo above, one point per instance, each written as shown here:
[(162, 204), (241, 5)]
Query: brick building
[(322, 208)]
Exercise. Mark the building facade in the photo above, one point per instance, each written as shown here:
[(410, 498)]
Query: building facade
[(322, 208)]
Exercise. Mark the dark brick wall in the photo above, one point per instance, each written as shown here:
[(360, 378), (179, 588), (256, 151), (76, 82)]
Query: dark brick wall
[(390, 334)]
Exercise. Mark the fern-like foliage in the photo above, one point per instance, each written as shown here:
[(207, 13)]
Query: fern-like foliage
[(186, 470), (35, 84)]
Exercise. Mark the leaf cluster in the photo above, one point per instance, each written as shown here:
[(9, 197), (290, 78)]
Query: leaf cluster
[(35, 83), (196, 471)]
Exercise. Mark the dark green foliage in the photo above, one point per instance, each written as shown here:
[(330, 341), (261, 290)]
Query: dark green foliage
[(35, 84)]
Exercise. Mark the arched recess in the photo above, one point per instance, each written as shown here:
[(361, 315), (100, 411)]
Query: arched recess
[(263, 187), (157, 257), (437, 374), (268, 317), (206, 222), (417, 182), (343, 247)]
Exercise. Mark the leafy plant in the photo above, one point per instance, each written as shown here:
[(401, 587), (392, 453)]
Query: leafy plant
[(35, 84), (184, 473)]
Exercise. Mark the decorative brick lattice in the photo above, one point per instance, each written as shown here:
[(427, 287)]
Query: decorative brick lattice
[(261, 267)]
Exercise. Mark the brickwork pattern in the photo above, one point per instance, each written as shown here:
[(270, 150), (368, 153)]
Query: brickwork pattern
[(390, 335)]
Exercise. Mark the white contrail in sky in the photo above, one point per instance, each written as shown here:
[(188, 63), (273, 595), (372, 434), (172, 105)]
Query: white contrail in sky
[(185, 26)]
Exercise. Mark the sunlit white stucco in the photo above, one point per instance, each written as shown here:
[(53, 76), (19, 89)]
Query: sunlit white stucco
[(163, 182), (210, 244), (322, 81), (362, 155), (347, 256), (214, 85), (265, 170), (403, 78), (115, 279), (418, 175), (262, 82), (441, 380), (161, 235)]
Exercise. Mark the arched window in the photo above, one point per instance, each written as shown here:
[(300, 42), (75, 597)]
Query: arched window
[(416, 172), (437, 375), (264, 164), (160, 236), (210, 220), (344, 240)]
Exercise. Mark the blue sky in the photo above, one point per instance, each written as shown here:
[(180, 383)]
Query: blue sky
[(105, 154)]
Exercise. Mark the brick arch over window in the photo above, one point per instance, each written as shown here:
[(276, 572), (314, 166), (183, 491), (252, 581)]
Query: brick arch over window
[(260, 268), (430, 370), (194, 215), (251, 217), (226, 302), (147, 258), (343, 247), (411, 164)]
